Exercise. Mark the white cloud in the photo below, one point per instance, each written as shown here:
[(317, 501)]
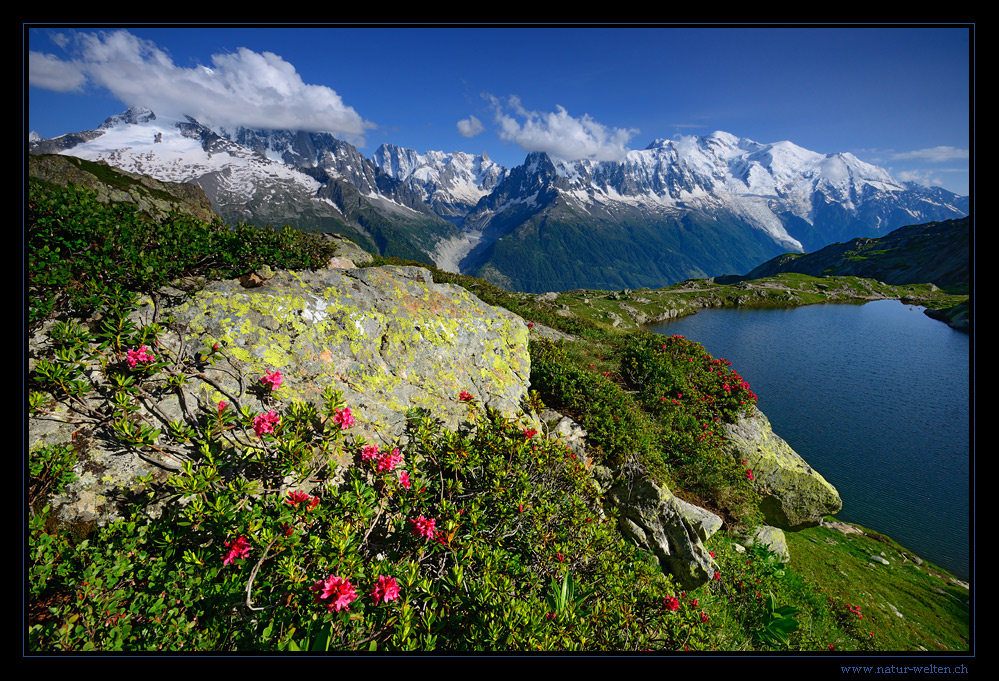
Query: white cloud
[(558, 133), (244, 88), (470, 127), (49, 72), (933, 154), (923, 177)]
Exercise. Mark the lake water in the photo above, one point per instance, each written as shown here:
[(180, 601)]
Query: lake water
[(874, 397)]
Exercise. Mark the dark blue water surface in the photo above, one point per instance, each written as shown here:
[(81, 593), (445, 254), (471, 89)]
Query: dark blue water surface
[(874, 397)]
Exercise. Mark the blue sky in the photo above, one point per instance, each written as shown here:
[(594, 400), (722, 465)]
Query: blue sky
[(896, 97)]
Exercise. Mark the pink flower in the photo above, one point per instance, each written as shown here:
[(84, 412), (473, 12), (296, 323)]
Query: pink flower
[(240, 548), (388, 462), (343, 418), (749, 475), (339, 591), (133, 357), (404, 479), (264, 423), (222, 405), (369, 452), (717, 576), (671, 603), (287, 530), (465, 396), (273, 379), (386, 589), (530, 325), (704, 617), (424, 527), (296, 497), (711, 553), (529, 433)]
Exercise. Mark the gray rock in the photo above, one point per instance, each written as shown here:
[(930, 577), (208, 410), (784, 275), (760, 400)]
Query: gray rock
[(794, 494), (348, 250), (564, 428), (388, 338), (773, 539), (651, 516), (704, 522)]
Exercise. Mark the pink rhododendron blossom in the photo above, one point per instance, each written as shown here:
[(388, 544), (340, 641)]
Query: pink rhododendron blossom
[(296, 497), (133, 357), (239, 548), (671, 602), (465, 396), (404, 479), (337, 591), (264, 423), (749, 475), (222, 405), (386, 589), (272, 379), (388, 462), (369, 452), (343, 418), (424, 527), (529, 433)]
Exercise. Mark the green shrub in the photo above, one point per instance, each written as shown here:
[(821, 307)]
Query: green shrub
[(82, 253)]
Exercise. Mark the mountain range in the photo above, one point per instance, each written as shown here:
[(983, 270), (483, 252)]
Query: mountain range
[(691, 207)]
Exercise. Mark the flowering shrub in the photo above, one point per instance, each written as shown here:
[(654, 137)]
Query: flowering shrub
[(343, 418), (240, 548), (265, 423), (338, 593), (272, 379), (446, 583), (133, 357), (423, 527), (386, 590)]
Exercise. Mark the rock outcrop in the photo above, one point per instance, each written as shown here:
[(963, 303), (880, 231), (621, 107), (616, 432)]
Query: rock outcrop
[(794, 494), (153, 197), (660, 523), (388, 338)]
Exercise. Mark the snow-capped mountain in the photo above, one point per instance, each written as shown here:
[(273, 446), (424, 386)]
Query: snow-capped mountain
[(310, 180), (765, 184), (693, 206), (767, 198), (451, 184)]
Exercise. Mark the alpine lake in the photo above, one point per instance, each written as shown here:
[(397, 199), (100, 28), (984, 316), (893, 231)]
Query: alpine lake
[(875, 397)]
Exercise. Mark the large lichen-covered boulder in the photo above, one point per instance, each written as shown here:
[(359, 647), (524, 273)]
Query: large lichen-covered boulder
[(389, 338), (794, 494), (655, 520)]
